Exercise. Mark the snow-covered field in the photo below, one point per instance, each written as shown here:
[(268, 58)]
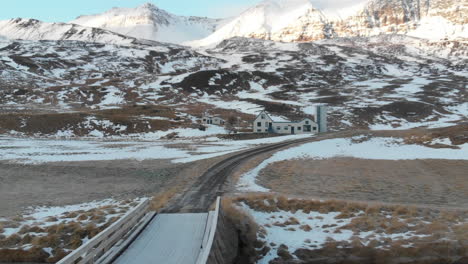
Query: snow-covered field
[(46, 227), (314, 225), (41, 216), (374, 148), (35, 151)]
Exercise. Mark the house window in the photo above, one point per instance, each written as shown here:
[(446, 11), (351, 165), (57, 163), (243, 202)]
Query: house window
[(204, 119), (278, 128), (263, 116), (259, 130), (285, 128), (266, 130), (266, 124), (259, 124), (298, 128), (307, 122), (315, 128)]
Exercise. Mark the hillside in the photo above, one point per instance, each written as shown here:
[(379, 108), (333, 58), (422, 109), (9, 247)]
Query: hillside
[(32, 29), (372, 82)]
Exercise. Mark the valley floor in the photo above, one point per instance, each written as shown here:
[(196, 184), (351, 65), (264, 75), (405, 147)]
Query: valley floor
[(434, 182), (420, 167)]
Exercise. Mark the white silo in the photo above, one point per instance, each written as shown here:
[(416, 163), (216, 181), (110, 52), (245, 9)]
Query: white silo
[(321, 117)]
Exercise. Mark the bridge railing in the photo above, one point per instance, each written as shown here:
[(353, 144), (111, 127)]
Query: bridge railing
[(102, 242), (210, 235)]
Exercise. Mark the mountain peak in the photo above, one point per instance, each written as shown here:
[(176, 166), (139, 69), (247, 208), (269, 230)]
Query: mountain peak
[(151, 7), (147, 21), (284, 5), (148, 5)]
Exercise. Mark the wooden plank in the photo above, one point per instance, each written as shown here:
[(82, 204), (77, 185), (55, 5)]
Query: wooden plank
[(168, 239)]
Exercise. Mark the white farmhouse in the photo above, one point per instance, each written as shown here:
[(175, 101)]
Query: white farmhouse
[(265, 124), (212, 120)]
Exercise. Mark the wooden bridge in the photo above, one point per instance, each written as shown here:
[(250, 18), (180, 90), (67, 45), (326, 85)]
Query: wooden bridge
[(144, 237)]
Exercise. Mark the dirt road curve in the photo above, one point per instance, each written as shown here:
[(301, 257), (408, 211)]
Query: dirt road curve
[(210, 185)]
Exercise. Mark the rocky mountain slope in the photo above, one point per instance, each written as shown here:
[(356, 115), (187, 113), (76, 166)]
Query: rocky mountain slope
[(150, 22), (277, 20), (300, 20), (32, 29), (79, 88)]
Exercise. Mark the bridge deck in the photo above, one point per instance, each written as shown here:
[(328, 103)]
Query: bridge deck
[(168, 239)]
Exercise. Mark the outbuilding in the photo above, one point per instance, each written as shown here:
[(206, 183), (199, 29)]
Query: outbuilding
[(212, 120)]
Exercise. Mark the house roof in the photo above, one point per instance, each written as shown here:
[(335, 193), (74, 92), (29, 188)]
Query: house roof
[(283, 121), (266, 113), (211, 116), (295, 122)]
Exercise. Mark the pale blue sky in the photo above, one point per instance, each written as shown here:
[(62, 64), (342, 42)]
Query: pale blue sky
[(66, 10)]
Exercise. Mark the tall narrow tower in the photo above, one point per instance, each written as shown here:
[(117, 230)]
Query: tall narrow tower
[(321, 118)]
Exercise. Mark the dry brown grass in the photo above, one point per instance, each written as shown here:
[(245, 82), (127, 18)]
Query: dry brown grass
[(83, 217), (36, 255), (70, 215), (10, 224), (457, 134), (64, 234), (251, 247), (58, 255), (272, 203), (10, 241), (396, 226), (444, 238), (402, 182), (160, 200), (130, 116)]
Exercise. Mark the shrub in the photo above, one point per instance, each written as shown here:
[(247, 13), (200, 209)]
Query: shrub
[(18, 255), (10, 241)]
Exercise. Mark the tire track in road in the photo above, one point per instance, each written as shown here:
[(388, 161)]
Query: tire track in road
[(208, 186)]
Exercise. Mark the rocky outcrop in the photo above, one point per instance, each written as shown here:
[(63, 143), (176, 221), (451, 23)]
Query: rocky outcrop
[(300, 21)]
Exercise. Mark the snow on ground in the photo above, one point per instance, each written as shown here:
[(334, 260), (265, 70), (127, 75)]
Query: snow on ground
[(312, 230), (375, 148), (36, 151), (387, 122), (211, 130), (40, 216), (296, 239), (244, 107)]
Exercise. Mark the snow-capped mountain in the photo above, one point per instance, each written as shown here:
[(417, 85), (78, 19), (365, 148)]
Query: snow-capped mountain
[(300, 20), (150, 22), (32, 29)]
